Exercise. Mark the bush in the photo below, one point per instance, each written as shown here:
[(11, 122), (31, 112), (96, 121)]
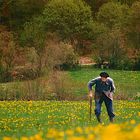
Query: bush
[(137, 64), (8, 48), (61, 85), (57, 86), (23, 73), (121, 63), (63, 57), (28, 90)]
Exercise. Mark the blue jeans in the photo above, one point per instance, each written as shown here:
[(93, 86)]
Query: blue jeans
[(108, 103)]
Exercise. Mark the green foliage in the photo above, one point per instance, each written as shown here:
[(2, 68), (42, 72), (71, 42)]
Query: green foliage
[(82, 23), (111, 14), (95, 5), (34, 34), (137, 64), (110, 49), (68, 18), (121, 63), (94, 30), (133, 28), (126, 2), (16, 12)]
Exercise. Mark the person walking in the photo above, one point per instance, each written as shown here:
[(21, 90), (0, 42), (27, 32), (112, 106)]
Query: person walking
[(104, 89)]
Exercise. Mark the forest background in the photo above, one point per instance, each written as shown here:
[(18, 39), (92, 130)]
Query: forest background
[(40, 38)]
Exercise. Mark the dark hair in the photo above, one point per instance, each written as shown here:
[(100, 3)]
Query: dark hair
[(104, 74)]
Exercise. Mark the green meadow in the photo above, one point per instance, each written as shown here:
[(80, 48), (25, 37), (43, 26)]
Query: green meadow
[(71, 85), (127, 83), (27, 118), (41, 119)]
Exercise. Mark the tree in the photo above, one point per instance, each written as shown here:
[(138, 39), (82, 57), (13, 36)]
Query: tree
[(68, 18), (50, 51), (110, 14), (128, 2), (95, 5), (14, 13), (133, 33), (133, 27), (34, 35), (111, 48)]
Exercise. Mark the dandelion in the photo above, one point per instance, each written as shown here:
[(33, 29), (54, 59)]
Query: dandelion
[(24, 138), (132, 122), (7, 138), (77, 138), (38, 137), (91, 137), (69, 132), (79, 130)]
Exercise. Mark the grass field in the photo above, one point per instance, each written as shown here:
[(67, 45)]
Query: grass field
[(127, 82), (70, 83), (27, 118), (69, 120)]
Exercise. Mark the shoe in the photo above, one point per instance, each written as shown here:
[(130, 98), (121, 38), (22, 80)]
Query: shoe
[(111, 119)]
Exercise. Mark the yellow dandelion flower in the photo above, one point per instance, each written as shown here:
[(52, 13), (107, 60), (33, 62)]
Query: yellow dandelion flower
[(132, 122), (69, 132), (91, 137), (31, 138), (7, 138), (61, 134), (38, 137), (77, 138), (24, 138), (79, 130)]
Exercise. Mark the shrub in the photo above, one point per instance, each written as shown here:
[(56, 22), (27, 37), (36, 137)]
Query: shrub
[(61, 85), (8, 49)]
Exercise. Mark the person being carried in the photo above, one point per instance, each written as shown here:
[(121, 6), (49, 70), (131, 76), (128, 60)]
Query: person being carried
[(104, 89)]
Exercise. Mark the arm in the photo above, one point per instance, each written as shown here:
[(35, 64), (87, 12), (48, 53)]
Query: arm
[(112, 87), (90, 84)]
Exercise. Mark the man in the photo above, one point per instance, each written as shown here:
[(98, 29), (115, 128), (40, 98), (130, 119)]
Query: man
[(104, 89)]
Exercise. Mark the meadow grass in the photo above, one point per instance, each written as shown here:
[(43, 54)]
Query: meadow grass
[(54, 118), (71, 85), (127, 83), (27, 118)]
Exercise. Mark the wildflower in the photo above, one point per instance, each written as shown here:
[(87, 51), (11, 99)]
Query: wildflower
[(91, 137), (77, 138), (79, 130), (7, 138), (24, 138), (69, 132), (132, 122)]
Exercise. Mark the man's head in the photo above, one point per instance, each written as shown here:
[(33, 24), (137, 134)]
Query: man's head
[(104, 76)]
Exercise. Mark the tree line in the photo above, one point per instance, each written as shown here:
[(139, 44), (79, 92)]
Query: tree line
[(47, 34)]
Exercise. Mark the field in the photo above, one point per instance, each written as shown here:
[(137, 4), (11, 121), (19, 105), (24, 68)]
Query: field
[(126, 82), (69, 120), (65, 120)]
